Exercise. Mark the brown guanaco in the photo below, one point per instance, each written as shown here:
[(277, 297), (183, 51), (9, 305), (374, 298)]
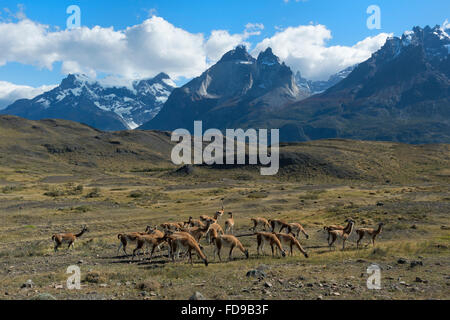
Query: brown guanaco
[(266, 237), (260, 222), (333, 227), (229, 241), (214, 226), (195, 223), (173, 226), (183, 240), (370, 232), (128, 238), (69, 238), (148, 240), (291, 241), (343, 234), (229, 223)]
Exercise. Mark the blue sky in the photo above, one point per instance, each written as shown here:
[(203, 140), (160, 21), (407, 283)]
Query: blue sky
[(343, 21)]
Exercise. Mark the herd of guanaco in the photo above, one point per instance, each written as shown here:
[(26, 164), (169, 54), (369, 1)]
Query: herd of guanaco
[(185, 237)]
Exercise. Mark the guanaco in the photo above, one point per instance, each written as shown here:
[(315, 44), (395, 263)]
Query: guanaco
[(195, 223), (197, 232), (277, 224), (174, 226), (229, 223), (266, 237), (333, 227), (128, 238), (213, 226), (185, 241), (260, 222), (148, 240), (370, 232), (291, 241), (70, 238), (230, 241), (343, 234), (296, 228), (207, 219)]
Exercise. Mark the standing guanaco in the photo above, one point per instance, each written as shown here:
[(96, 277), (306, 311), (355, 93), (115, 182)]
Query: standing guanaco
[(207, 219), (70, 238), (260, 222), (128, 238), (266, 237), (289, 240), (194, 223), (174, 226), (343, 234), (333, 227), (214, 226), (370, 232), (229, 241), (148, 240), (229, 224)]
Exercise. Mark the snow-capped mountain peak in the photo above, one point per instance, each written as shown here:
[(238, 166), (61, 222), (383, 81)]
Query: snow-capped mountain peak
[(131, 102)]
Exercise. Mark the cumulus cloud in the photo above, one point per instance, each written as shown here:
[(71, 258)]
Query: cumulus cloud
[(156, 45), (138, 51), (221, 41), (304, 49), (10, 92)]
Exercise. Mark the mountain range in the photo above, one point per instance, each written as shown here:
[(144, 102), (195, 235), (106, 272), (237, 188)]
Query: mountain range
[(401, 93), (106, 104)]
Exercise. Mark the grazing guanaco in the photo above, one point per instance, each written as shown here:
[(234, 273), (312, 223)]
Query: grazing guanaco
[(266, 237), (229, 224), (229, 241), (343, 234), (260, 222), (289, 240), (370, 232), (148, 240), (70, 238), (276, 223), (183, 240), (296, 228)]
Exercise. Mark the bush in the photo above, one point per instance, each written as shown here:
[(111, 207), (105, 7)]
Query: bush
[(94, 193)]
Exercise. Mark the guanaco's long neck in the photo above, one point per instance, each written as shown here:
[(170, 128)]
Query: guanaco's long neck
[(379, 229), (348, 229), (81, 233)]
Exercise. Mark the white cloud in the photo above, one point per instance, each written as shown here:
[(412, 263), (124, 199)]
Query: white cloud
[(139, 51), (10, 92), (221, 41), (304, 49), (156, 45)]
